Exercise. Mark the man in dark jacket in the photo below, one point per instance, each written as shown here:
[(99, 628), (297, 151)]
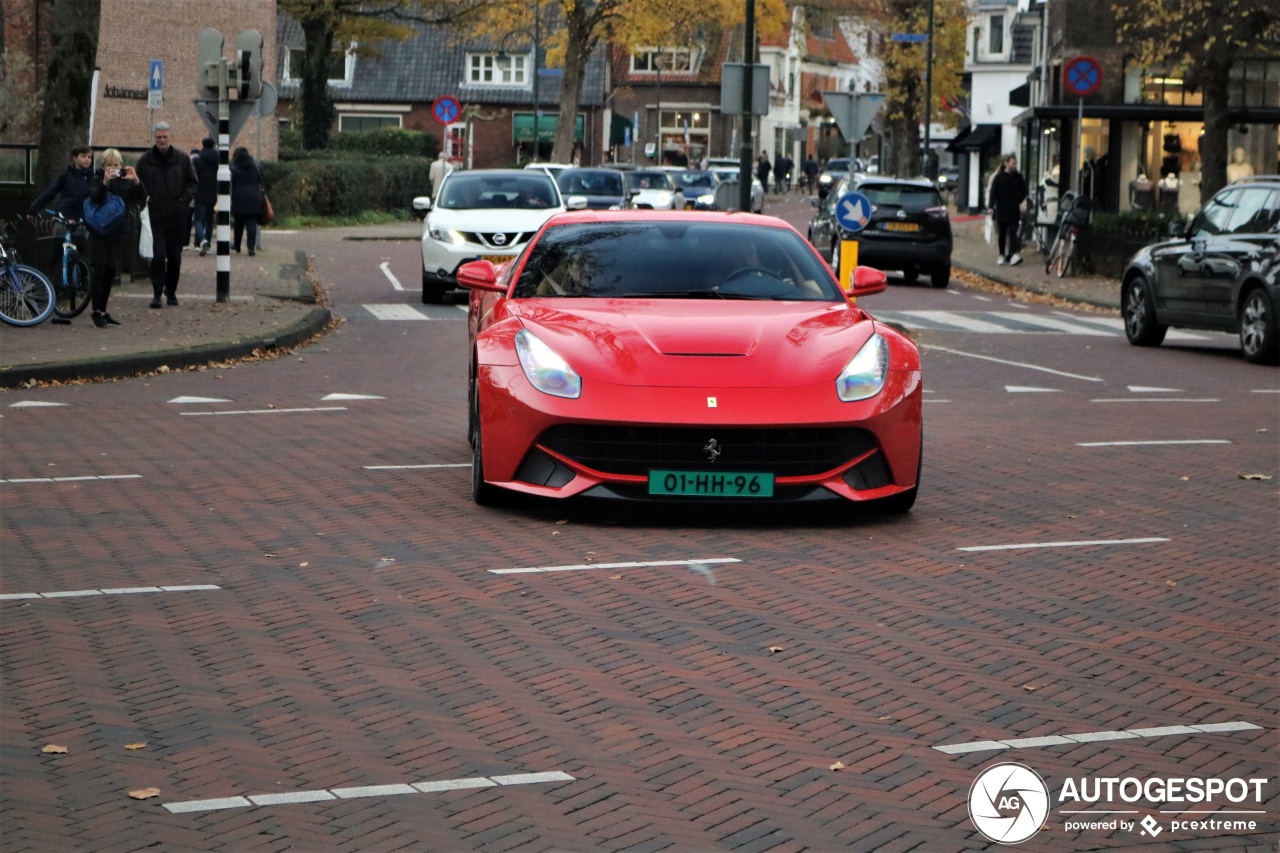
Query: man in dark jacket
[(1008, 192), (171, 183), (206, 163), (72, 186)]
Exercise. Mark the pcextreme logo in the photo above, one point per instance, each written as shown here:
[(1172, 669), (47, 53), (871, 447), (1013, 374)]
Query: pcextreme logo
[(1008, 803)]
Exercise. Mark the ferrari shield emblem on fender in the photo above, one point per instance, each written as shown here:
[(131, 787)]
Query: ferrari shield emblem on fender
[(711, 402)]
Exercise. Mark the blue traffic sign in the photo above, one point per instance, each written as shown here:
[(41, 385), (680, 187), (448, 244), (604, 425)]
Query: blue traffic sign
[(853, 211), (912, 37), (446, 109), (155, 79)]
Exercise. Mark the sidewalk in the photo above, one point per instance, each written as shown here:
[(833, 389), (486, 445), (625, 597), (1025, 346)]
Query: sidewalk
[(971, 253), (273, 305)]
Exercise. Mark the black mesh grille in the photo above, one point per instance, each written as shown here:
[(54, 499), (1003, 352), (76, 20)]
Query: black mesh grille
[(781, 451)]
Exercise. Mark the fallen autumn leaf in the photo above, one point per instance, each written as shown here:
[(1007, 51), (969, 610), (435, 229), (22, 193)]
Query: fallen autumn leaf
[(53, 747), (145, 793)]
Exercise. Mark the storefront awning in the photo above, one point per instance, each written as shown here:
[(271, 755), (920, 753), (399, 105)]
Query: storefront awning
[(522, 127), (1021, 96), (975, 137), (1147, 112)]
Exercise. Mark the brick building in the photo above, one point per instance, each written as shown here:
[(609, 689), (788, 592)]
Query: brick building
[(131, 34)]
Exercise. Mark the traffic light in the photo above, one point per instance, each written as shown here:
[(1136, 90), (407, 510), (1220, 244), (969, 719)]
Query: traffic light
[(249, 63), (209, 70)]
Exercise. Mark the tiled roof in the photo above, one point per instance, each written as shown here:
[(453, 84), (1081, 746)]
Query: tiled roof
[(431, 64)]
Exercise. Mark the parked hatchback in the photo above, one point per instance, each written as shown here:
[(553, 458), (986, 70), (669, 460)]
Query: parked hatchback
[(1221, 271), (908, 228), (604, 189)]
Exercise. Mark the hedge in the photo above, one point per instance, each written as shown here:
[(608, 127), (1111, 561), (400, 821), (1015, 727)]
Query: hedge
[(387, 142), (345, 187)]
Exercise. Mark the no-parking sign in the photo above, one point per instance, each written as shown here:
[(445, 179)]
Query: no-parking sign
[(1082, 75), (446, 109)]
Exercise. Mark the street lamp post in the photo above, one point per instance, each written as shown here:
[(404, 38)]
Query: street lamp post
[(929, 171), (537, 141)]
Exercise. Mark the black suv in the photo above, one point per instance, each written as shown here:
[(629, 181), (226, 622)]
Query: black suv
[(1221, 271), (909, 229)]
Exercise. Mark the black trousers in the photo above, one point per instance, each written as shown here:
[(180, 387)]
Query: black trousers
[(1008, 237), (166, 264), (104, 263)]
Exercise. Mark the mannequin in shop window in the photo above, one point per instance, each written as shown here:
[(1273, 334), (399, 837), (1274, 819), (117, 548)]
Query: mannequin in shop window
[(1168, 189), (1239, 168), (1142, 193)]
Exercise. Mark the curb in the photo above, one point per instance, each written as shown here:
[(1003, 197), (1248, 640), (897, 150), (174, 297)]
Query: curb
[(1045, 291), (116, 367)]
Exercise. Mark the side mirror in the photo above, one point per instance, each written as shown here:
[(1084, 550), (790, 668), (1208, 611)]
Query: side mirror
[(422, 206), (1177, 229), (576, 202), (479, 275), (866, 281)]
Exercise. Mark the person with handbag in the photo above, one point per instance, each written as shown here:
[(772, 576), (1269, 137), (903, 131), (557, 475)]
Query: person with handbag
[(248, 199), (171, 183), (105, 245)]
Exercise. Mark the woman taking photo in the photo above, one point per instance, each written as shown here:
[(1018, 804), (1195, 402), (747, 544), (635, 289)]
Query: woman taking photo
[(105, 259), (247, 198)]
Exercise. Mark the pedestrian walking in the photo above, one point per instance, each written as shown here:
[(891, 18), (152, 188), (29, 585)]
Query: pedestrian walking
[(438, 170), (248, 199), (170, 181), (1008, 193), (811, 170), (762, 169), (206, 165), (105, 248)]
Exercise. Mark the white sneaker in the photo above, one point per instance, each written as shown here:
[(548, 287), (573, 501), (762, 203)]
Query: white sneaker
[(204, 248), (1000, 261), (1015, 260)]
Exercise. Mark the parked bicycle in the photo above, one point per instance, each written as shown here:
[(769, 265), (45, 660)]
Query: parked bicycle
[(71, 285), (26, 294), (1037, 229), (1074, 213)]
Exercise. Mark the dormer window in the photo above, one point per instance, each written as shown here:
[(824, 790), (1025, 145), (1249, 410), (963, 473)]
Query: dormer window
[(675, 60), (497, 69), (341, 66)]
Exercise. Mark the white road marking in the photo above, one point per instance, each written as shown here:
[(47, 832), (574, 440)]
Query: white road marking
[(980, 298), (1094, 737), (1264, 391), (1078, 544), (580, 568), (186, 400), (391, 277), (935, 401), (291, 797), (958, 320), (352, 397), (1151, 389), (269, 411), (413, 467), (395, 312), (1030, 389), (128, 590), (1117, 325), (1156, 400), (36, 404), (1051, 323), (73, 479), (1151, 443), (1013, 363)]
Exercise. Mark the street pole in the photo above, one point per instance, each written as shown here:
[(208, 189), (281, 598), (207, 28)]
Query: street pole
[(929, 171), (537, 142), (223, 287), (748, 75)]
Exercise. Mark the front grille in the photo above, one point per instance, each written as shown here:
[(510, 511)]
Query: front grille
[(489, 238), (781, 451)]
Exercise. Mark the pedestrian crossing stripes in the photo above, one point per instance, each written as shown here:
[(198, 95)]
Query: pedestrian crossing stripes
[(1013, 323)]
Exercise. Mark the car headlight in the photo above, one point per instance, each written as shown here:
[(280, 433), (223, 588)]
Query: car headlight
[(446, 235), (709, 198), (663, 199), (615, 207), (864, 376), (546, 370)]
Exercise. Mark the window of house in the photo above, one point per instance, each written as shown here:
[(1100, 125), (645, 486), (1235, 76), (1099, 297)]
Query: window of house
[(357, 123), (341, 65), (497, 69), (671, 59), (995, 35)]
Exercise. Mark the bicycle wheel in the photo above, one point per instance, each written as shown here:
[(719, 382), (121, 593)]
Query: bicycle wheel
[(26, 296), (1064, 257), (73, 294), (1054, 251)]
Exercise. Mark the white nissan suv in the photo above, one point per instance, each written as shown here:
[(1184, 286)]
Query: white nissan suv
[(486, 213)]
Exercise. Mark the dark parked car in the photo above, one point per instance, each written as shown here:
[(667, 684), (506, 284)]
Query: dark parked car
[(604, 188), (908, 229), (1221, 271)]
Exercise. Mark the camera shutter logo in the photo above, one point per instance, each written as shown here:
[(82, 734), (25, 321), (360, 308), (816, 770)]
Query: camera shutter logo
[(1008, 803)]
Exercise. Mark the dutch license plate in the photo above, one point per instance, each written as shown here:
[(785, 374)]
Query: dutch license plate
[(901, 226), (711, 484)]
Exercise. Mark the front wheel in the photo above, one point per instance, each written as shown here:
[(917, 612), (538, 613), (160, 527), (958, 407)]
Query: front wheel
[(1258, 332), (73, 294), (26, 296), (1140, 325), (433, 289), (941, 276), (481, 492)]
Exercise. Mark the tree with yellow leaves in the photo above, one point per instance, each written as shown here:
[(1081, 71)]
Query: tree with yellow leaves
[(1202, 39)]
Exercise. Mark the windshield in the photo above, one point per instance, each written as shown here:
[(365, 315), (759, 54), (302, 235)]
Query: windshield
[(675, 260), (910, 198), (531, 191), (695, 180), (575, 182), (838, 164), (648, 181)]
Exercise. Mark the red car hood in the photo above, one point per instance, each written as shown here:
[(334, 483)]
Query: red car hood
[(691, 343)]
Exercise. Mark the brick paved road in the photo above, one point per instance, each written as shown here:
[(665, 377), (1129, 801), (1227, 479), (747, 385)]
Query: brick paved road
[(359, 637)]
